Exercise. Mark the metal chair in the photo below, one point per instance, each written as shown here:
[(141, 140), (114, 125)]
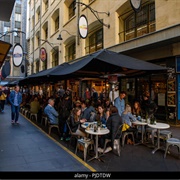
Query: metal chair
[(44, 119), (50, 126), (126, 134), (34, 115), (72, 134), (116, 149), (172, 142), (85, 143)]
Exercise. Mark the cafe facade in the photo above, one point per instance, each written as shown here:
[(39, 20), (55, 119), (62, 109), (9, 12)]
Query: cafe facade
[(150, 33)]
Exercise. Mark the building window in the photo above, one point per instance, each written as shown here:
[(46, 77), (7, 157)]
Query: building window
[(7, 38), (72, 9), (32, 21), (57, 23), (95, 41), (71, 52), (55, 57), (18, 9), (140, 23), (46, 4), (44, 34), (17, 17), (38, 14), (37, 66), (16, 39), (7, 24), (44, 65), (17, 24)]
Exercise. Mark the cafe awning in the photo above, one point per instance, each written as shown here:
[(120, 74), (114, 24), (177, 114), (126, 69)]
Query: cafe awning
[(96, 65), (4, 49), (105, 62)]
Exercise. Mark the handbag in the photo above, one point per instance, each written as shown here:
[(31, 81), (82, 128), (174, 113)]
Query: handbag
[(125, 127), (116, 147)]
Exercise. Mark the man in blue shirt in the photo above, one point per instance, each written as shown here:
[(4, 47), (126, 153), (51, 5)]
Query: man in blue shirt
[(15, 99), (50, 111), (119, 102)]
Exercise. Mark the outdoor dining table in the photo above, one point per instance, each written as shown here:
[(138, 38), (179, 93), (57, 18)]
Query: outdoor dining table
[(141, 123), (101, 131), (158, 126)]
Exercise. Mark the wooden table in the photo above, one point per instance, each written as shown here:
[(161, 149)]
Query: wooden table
[(158, 126)]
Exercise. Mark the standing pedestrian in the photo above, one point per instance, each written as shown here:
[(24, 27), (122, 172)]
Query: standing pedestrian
[(119, 102), (2, 99), (15, 99)]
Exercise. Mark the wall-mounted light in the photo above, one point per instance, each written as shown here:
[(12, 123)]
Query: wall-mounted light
[(51, 44), (60, 37)]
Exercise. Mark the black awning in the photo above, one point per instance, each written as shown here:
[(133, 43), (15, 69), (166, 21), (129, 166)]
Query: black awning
[(96, 65), (4, 49), (106, 62)]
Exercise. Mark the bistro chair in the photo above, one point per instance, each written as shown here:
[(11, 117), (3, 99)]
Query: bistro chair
[(44, 119), (34, 115), (117, 146), (85, 143), (172, 142), (50, 126), (126, 134), (72, 134)]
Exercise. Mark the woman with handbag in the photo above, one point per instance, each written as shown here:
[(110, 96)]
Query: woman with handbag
[(127, 119)]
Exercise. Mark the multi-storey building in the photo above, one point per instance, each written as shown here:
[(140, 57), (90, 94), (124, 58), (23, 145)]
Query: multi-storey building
[(14, 32), (150, 33)]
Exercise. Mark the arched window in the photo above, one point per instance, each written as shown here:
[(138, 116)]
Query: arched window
[(140, 23)]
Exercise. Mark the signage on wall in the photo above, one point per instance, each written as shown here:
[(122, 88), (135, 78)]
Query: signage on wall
[(113, 79), (178, 94), (43, 54), (17, 55), (178, 64), (83, 26)]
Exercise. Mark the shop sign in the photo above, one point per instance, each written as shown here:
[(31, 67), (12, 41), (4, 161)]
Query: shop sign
[(113, 79), (17, 55), (83, 26), (43, 54)]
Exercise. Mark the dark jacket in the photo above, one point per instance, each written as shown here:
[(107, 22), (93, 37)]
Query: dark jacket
[(112, 124), (73, 124)]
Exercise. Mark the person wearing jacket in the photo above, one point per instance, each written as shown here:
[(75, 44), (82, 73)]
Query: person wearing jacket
[(50, 111), (2, 99), (113, 122), (15, 99)]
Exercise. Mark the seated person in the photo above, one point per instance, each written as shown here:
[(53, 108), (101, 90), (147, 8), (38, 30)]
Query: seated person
[(136, 109), (101, 115), (35, 106), (112, 124), (50, 111), (75, 122), (128, 118), (87, 112)]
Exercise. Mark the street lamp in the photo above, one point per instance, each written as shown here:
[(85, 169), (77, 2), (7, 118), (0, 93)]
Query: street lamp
[(51, 44), (60, 37), (9, 32)]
